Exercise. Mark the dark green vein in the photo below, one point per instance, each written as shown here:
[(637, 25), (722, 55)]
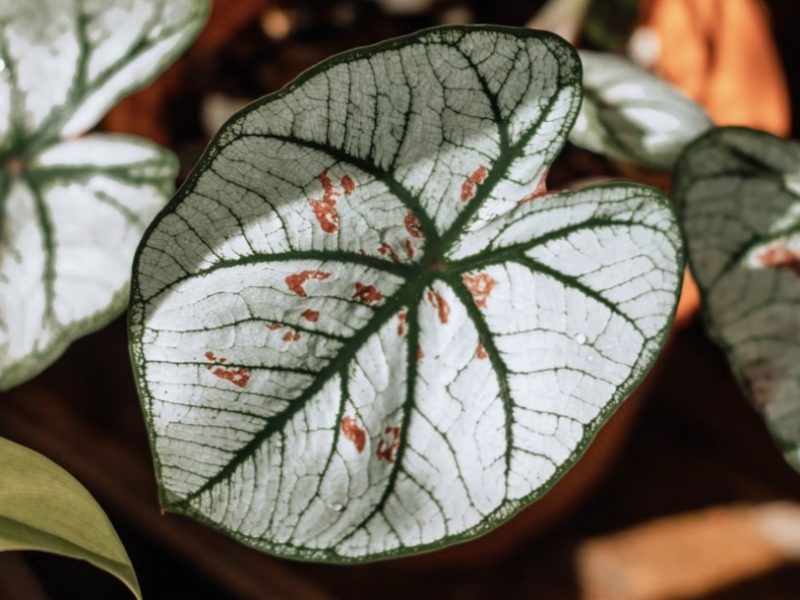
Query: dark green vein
[(334, 367), (393, 268), (514, 251), (412, 341), (45, 222), (572, 282), (409, 200), (344, 380), (486, 337)]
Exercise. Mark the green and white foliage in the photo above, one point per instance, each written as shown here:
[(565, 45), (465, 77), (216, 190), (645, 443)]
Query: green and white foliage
[(358, 330), (631, 115), (739, 197), (73, 210)]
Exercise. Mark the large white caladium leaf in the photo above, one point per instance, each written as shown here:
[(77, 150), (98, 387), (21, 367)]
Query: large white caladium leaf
[(73, 210), (358, 331), (739, 196), (631, 115)]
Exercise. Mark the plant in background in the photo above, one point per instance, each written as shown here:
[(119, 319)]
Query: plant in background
[(363, 328), (739, 195), (72, 210), (632, 116)]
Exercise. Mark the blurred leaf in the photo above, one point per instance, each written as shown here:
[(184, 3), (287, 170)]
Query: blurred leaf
[(631, 115), (42, 507), (738, 192), (73, 207)]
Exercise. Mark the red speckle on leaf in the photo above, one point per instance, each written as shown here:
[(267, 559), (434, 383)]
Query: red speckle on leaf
[(412, 225), (295, 282), (273, 326), (469, 186), (16, 166), (348, 185), (760, 376), (387, 450), (310, 315), (540, 190), (420, 354), (401, 321), (368, 294), (480, 286), (325, 209), (353, 432), (409, 249), (329, 194), (439, 303), (326, 215), (238, 376), (480, 352), (385, 249), (291, 336), (781, 257)]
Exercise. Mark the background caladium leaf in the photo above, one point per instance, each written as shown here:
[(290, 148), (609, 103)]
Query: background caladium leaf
[(43, 508), (739, 197), (357, 331), (73, 211), (631, 115)]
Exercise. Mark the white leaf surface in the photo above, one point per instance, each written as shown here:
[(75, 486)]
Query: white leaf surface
[(359, 332), (739, 195), (73, 210), (631, 115)]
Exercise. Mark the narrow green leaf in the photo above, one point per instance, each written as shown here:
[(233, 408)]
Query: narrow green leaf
[(631, 115), (44, 508), (73, 210), (359, 332), (739, 197)]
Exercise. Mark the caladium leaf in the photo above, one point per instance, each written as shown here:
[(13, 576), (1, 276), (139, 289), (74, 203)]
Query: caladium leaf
[(358, 332), (631, 115), (739, 197), (73, 210), (43, 508)]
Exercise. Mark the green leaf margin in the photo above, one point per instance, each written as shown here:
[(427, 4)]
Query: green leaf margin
[(492, 520)]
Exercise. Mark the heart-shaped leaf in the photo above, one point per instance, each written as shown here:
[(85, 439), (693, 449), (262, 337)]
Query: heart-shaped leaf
[(739, 197), (43, 508), (73, 211), (358, 332), (631, 115)]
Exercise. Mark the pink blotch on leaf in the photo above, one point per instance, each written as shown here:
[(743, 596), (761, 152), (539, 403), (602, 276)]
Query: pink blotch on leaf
[(368, 294), (353, 432), (295, 282), (472, 182), (480, 286)]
